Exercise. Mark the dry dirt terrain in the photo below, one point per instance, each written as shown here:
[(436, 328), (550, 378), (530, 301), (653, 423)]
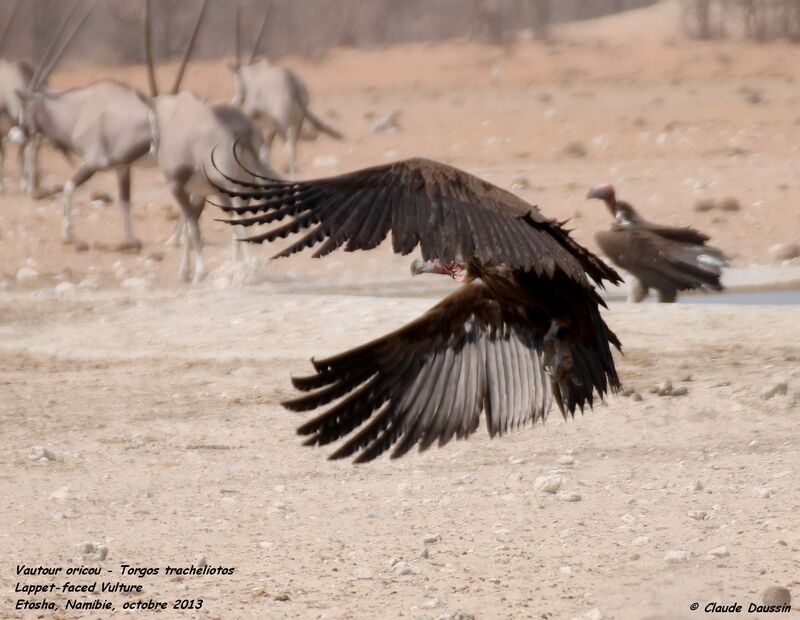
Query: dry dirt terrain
[(158, 402)]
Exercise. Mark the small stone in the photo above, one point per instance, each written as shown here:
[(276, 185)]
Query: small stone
[(362, 572), (434, 601), (697, 515), (565, 570), (425, 554), (675, 557), (547, 484), (640, 541), (326, 161), (258, 592), (705, 204), (753, 445), (26, 274), (776, 595), (566, 460), (283, 596), (64, 288), (92, 551), (431, 538), (388, 123), (60, 494), (777, 388), (627, 518), (719, 552), (37, 453), (570, 497), (655, 485), (200, 561), (520, 183), (694, 486), (136, 284), (729, 204), (784, 251), (592, 614), (404, 568), (762, 492), (680, 391)]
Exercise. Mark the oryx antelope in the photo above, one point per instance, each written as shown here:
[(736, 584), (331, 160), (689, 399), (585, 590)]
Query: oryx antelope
[(275, 97), (105, 124), (194, 142)]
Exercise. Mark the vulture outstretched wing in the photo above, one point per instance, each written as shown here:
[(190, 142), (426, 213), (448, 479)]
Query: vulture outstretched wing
[(450, 214), (663, 263), (526, 329)]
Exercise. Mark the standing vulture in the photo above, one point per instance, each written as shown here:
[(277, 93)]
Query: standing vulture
[(523, 330), (668, 259)]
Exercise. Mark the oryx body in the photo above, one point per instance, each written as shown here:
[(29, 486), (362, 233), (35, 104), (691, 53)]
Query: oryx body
[(277, 98), (105, 124), (188, 133)]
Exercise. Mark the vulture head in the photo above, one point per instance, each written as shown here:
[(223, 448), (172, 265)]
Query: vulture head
[(455, 270), (606, 193)]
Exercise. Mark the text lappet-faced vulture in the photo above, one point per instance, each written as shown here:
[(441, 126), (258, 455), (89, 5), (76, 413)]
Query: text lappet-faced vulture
[(665, 258), (523, 330)]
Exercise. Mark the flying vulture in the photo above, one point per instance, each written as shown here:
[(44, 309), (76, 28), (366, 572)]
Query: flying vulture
[(524, 329), (668, 259)]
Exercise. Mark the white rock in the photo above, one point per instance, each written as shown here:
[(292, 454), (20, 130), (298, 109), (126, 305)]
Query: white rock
[(136, 284), (64, 288), (570, 497), (719, 552), (784, 251), (388, 123), (27, 274), (37, 453), (592, 614), (200, 561), (326, 161), (566, 459), (640, 541), (762, 492), (675, 557), (547, 484), (628, 518), (404, 568), (431, 538), (565, 570), (60, 494), (92, 551), (362, 572), (697, 515)]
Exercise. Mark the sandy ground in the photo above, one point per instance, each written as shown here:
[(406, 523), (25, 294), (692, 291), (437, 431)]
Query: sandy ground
[(159, 401)]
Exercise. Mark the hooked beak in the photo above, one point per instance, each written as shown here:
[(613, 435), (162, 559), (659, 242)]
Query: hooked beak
[(418, 267)]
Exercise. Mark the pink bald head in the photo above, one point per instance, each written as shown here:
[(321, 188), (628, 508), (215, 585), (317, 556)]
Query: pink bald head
[(606, 193)]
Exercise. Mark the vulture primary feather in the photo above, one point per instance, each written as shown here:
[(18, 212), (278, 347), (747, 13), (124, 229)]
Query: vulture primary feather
[(523, 331)]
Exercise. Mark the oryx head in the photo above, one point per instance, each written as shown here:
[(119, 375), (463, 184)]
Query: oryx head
[(240, 70)]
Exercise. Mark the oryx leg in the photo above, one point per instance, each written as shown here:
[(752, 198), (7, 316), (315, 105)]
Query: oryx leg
[(265, 151), (192, 243), (83, 174), (292, 136), (28, 160), (124, 184), (238, 231), (175, 238), (3, 144)]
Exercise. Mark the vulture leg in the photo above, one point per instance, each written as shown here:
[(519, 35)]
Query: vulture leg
[(638, 291), (557, 355), (667, 297)]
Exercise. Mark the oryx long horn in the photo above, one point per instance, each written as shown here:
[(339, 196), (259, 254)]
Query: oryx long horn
[(179, 78), (57, 56), (261, 32), (238, 38), (148, 49), (11, 17), (53, 42)]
